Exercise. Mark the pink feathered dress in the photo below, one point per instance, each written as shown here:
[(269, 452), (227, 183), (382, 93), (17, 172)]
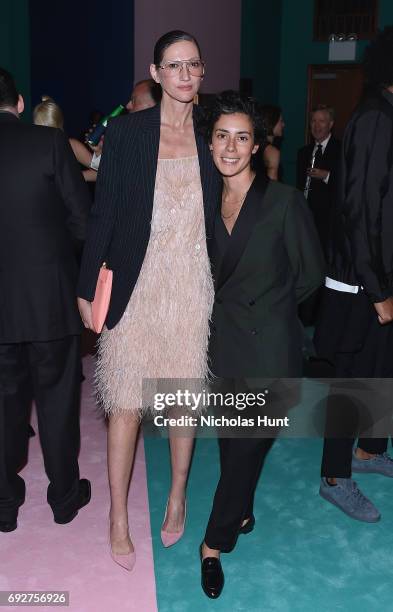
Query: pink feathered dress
[(164, 331)]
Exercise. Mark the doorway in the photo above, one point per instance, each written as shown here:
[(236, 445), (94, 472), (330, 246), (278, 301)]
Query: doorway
[(337, 85)]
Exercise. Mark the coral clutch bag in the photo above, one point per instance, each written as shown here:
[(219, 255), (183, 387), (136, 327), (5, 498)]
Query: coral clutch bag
[(100, 304)]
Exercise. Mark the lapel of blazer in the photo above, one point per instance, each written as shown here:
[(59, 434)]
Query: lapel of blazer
[(328, 149), (208, 175), (330, 154), (150, 143), (243, 228), (308, 154)]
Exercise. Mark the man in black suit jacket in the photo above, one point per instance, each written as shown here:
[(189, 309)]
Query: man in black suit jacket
[(323, 154), (355, 330), (321, 178), (43, 212)]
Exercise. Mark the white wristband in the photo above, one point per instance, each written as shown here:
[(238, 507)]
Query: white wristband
[(95, 162)]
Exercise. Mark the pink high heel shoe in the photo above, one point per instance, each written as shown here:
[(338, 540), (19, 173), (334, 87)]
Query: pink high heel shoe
[(127, 560), (170, 538)]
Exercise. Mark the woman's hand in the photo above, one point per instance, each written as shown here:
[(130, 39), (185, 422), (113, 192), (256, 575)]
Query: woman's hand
[(85, 312)]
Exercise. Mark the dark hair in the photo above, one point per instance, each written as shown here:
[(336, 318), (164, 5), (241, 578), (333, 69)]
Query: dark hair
[(230, 102), (270, 114), (378, 60), (156, 91), (168, 39), (326, 109), (8, 92)]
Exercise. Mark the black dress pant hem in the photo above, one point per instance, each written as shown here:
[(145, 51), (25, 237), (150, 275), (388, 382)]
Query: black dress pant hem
[(241, 463), (48, 373), (337, 454)]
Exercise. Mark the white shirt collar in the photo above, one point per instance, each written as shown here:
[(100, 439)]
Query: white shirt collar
[(323, 143)]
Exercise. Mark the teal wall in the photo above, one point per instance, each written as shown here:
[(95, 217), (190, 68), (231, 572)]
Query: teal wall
[(288, 31), (261, 47), (15, 43)]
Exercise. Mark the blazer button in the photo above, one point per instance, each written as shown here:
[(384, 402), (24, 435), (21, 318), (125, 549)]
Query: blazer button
[(254, 331), (251, 303), (218, 301)]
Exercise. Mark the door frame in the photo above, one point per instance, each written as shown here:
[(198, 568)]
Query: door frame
[(312, 68)]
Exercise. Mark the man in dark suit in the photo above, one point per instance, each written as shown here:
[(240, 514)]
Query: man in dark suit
[(145, 94), (355, 331), (321, 178), (316, 177), (43, 212)]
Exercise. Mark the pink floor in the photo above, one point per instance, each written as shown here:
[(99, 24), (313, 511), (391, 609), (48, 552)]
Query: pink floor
[(41, 555)]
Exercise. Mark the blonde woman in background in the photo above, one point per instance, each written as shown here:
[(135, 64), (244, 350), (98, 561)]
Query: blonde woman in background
[(49, 113)]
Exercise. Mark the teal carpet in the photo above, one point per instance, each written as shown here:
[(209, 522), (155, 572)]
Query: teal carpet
[(303, 555)]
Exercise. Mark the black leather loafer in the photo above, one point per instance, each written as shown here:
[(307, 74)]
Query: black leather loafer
[(212, 578), (11, 524), (6, 526), (84, 498), (249, 526)]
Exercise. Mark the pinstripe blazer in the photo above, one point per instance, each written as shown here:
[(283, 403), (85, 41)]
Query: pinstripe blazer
[(119, 224)]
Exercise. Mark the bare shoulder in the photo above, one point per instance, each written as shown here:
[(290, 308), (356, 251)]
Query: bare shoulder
[(271, 156)]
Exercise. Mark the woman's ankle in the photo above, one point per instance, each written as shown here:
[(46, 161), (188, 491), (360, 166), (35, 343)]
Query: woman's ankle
[(118, 518), (209, 552), (177, 495)]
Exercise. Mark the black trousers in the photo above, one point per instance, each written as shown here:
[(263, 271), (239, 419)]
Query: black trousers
[(364, 350), (48, 373), (308, 310), (241, 462)]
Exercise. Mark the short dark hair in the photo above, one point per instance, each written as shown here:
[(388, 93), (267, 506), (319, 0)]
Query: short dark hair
[(378, 60), (170, 38), (227, 103), (8, 92), (271, 114), (324, 108)]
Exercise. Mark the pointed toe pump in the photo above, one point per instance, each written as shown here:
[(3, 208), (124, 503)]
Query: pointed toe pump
[(168, 538)]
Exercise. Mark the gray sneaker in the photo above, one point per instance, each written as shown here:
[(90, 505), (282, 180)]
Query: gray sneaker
[(380, 464), (347, 496)]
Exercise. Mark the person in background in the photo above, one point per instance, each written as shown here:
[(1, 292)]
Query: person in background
[(269, 151), (44, 206), (354, 332), (325, 150), (323, 155), (146, 93), (48, 113)]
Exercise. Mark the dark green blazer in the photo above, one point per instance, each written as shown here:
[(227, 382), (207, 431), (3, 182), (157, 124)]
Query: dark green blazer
[(270, 263)]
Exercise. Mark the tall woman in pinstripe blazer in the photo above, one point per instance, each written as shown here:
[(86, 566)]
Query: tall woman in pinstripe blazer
[(156, 198)]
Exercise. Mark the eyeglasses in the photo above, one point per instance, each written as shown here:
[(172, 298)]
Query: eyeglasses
[(194, 67)]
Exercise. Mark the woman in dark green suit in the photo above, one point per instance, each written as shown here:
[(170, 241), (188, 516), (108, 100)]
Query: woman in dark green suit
[(266, 259)]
